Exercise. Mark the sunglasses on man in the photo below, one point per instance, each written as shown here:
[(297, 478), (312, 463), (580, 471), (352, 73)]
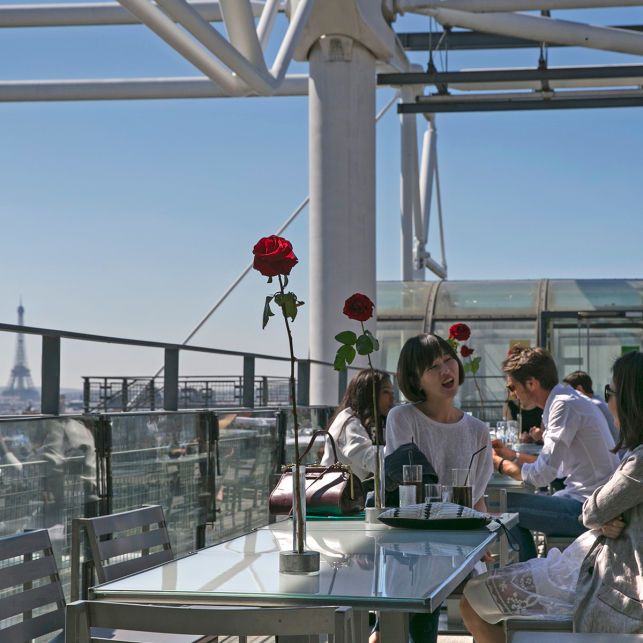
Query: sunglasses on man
[(608, 392)]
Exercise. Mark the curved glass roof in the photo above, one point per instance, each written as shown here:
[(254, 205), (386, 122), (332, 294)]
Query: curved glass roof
[(486, 298), (407, 298), (595, 294)]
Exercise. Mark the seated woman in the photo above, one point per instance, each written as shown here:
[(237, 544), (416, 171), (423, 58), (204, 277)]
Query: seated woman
[(429, 374), (353, 424), (597, 579)]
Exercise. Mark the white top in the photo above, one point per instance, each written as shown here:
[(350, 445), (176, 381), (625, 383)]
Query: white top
[(577, 446), (354, 445), (446, 446)]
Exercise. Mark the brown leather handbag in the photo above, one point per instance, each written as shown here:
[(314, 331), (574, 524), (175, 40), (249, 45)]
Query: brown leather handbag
[(330, 491)]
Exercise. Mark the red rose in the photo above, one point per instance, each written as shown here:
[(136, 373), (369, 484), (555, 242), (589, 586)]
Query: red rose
[(460, 332), (465, 351), (358, 307), (274, 256)]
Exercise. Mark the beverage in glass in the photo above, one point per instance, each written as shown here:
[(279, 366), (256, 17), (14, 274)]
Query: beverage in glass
[(412, 477), (447, 493), (432, 493), (462, 488)]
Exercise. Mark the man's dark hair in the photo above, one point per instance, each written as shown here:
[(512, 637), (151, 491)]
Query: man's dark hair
[(523, 363), (628, 383), (418, 354), (580, 378)]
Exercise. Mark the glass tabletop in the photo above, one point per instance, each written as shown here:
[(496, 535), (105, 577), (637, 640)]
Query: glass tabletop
[(376, 569)]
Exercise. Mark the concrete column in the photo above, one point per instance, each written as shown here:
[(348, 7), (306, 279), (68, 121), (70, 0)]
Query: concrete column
[(342, 197)]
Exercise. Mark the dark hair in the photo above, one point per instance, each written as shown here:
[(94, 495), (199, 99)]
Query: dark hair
[(417, 355), (580, 378), (359, 398), (628, 381), (523, 363)]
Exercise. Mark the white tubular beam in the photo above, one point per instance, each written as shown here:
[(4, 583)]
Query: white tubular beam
[(130, 89), (242, 33), (260, 81), (439, 203), (406, 188), (489, 6), (558, 32), (266, 22), (158, 22), (429, 151), (419, 241), (95, 13), (531, 96), (435, 268)]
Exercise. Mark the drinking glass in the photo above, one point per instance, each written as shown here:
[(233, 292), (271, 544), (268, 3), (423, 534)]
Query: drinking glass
[(512, 434), (412, 477), (432, 493), (462, 488), (501, 428), (447, 493)]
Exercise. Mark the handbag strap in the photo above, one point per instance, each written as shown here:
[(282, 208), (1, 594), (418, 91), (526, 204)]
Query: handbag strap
[(312, 441)]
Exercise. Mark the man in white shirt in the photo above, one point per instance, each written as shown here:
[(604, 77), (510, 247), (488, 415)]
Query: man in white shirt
[(577, 447), (582, 382)]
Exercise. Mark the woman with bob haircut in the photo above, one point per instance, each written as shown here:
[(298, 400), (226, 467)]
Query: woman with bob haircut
[(596, 580), (353, 424), (429, 374)]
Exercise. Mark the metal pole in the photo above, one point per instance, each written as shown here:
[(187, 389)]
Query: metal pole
[(171, 380), (303, 382), (249, 382), (484, 6), (342, 196), (50, 393), (406, 188)]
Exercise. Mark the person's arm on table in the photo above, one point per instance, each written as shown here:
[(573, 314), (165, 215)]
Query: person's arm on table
[(511, 461)]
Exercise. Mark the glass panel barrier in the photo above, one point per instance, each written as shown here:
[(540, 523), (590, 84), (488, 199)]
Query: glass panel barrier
[(486, 298), (491, 341), (392, 335), (310, 420)]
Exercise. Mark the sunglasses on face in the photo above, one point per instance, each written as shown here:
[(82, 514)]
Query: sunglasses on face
[(608, 392)]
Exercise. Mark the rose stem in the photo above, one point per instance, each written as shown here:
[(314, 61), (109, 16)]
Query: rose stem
[(376, 417), (296, 499)]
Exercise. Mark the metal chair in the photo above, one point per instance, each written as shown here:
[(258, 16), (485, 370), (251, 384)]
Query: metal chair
[(104, 546), (545, 629), (337, 623), (26, 571)]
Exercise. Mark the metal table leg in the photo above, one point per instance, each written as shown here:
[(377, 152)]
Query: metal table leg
[(394, 627)]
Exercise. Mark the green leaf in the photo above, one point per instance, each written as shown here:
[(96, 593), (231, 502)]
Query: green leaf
[(285, 281), (347, 353), (267, 313), (364, 345), (467, 367), (451, 342), (475, 365), (340, 363), (376, 344), (348, 337), (290, 306)]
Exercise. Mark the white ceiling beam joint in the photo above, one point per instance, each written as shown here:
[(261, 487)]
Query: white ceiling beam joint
[(242, 32)]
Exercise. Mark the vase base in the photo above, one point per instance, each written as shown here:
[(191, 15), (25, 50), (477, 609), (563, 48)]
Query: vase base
[(291, 562)]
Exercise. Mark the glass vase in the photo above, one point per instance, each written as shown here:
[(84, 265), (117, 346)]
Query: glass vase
[(297, 527)]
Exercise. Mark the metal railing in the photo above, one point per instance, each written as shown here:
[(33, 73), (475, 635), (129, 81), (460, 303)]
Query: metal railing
[(51, 346), (147, 393)]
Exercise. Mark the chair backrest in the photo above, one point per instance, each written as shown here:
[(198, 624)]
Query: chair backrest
[(196, 620), (105, 546), (27, 561)]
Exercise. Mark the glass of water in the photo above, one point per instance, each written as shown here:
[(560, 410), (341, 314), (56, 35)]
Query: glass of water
[(432, 493)]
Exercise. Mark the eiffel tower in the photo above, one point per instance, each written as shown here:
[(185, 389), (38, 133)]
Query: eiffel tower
[(20, 384)]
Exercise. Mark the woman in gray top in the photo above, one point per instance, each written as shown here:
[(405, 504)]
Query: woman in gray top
[(599, 579)]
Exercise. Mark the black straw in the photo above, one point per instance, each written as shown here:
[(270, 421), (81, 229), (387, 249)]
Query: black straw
[(411, 454), (470, 463)]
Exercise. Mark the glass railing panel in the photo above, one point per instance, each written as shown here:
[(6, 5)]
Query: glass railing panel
[(310, 419), (486, 298), (392, 335), (162, 459), (48, 476), (249, 452)]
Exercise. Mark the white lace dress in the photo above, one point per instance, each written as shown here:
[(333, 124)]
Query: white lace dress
[(538, 589)]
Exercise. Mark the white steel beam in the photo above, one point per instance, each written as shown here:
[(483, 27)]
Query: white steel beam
[(427, 171), (242, 33), (267, 20), (130, 89), (98, 13), (407, 132), (487, 6), (543, 30)]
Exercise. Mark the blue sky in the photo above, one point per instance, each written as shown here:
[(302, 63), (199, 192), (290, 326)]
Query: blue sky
[(131, 218)]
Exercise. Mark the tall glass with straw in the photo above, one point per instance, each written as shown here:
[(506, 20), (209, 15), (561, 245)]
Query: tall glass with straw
[(462, 487)]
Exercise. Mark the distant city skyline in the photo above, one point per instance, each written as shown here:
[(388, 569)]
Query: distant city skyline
[(131, 218)]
